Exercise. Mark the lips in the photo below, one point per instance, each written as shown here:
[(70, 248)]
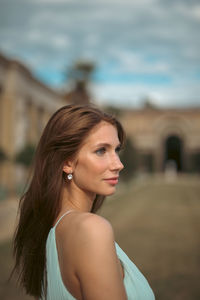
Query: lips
[(112, 181)]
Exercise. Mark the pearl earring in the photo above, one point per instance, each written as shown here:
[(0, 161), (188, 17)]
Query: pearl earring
[(69, 176)]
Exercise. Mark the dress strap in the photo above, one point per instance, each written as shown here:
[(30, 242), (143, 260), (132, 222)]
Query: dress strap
[(67, 212)]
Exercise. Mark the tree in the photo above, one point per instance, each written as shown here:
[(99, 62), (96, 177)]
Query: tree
[(25, 156), (129, 159), (81, 71), (114, 110), (3, 156), (80, 74)]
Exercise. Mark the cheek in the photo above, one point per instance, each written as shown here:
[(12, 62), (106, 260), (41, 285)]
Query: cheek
[(92, 166), (98, 165)]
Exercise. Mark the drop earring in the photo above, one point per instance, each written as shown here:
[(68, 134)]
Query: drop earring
[(69, 176)]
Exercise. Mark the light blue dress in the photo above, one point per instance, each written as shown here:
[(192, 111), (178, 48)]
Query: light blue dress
[(137, 287)]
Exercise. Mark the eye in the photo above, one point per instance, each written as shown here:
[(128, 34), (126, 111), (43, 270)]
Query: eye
[(118, 149), (100, 151)]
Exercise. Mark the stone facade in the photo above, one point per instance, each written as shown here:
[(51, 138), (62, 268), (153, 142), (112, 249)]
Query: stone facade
[(164, 136), (25, 106)]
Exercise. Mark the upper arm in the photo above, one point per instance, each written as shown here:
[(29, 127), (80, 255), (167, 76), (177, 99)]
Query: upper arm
[(96, 261)]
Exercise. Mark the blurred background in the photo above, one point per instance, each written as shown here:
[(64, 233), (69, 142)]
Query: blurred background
[(139, 60)]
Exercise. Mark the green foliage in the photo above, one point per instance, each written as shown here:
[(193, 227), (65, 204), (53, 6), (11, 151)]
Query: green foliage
[(3, 192), (2, 155), (129, 159), (145, 162), (148, 103), (195, 162), (25, 156), (81, 71), (113, 110)]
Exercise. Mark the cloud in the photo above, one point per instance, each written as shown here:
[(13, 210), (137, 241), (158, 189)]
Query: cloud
[(132, 95), (131, 62), (57, 41), (134, 42), (54, 2)]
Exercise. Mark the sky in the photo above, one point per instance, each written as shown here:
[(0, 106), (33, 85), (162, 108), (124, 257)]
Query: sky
[(142, 49)]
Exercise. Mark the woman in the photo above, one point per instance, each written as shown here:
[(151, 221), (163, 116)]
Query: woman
[(64, 250)]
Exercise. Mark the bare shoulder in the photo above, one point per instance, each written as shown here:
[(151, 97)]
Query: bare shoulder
[(86, 231), (91, 224), (97, 261), (80, 227), (93, 235), (88, 249)]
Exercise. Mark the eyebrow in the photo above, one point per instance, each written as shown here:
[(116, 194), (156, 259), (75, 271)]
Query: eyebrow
[(106, 145)]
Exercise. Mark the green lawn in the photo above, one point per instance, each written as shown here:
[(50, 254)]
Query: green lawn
[(157, 223)]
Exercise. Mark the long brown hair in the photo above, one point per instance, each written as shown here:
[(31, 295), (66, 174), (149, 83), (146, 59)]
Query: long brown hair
[(40, 205)]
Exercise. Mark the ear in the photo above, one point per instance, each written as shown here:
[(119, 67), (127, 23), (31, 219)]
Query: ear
[(68, 167)]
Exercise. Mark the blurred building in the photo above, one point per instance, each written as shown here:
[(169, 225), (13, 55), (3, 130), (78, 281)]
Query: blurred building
[(25, 106), (164, 138), (160, 138)]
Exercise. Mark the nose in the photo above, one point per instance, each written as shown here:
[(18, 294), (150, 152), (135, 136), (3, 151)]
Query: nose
[(116, 164)]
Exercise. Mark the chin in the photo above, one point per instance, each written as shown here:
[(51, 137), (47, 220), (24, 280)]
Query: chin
[(111, 192)]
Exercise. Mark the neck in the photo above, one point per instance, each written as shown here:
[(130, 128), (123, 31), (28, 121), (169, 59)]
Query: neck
[(77, 199)]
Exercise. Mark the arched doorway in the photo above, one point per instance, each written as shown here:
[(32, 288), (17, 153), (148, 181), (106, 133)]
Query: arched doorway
[(174, 152)]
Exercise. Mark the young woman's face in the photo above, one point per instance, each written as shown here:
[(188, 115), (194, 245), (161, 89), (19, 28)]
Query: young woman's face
[(97, 164)]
